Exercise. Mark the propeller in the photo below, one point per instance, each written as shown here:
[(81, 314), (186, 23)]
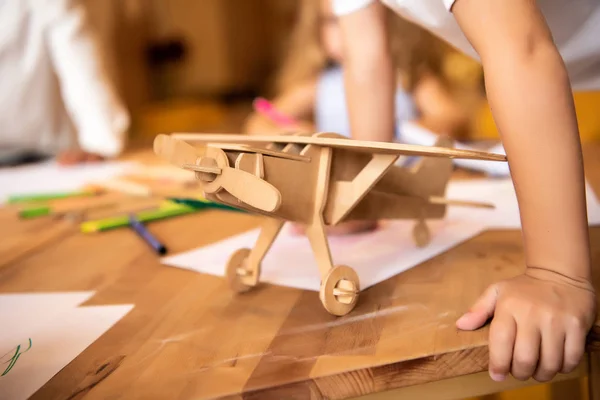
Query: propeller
[(177, 151), (249, 188)]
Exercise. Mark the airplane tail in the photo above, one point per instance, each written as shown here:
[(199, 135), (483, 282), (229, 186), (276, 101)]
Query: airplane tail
[(433, 173)]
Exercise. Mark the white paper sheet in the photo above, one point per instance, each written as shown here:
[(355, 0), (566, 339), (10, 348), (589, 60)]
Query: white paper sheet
[(51, 177), (418, 135), (31, 310), (51, 331), (375, 256), (501, 193), (15, 304)]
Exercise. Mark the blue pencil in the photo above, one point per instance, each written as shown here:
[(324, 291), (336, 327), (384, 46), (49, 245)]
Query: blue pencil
[(146, 235)]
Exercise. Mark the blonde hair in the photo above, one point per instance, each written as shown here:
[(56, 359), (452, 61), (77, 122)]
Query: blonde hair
[(414, 50)]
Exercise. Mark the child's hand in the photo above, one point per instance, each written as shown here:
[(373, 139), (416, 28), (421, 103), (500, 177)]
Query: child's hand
[(71, 157), (541, 320)]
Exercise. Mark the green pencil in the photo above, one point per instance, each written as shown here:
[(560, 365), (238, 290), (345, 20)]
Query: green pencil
[(34, 212), (167, 210), (30, 198), (42, 210), (204, 204)]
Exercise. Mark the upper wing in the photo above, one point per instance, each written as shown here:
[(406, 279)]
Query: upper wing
[(247, 149), (357, 145)]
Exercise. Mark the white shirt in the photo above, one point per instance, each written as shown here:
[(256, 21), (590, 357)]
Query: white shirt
[(54, 92), (575, 26)]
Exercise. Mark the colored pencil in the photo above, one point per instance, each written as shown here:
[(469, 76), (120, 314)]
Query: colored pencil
[(30, 198), (267, 109), (141, 230), (203, 204), (70, 205), (167, 210)]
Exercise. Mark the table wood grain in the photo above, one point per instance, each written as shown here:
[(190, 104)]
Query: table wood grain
[(190, 337)]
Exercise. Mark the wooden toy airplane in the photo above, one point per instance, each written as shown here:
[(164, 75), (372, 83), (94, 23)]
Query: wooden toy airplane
[(317, 180)]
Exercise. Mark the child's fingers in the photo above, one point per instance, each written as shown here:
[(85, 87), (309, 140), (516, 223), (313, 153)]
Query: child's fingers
[(574, 348), (526, 351), (551, 354), (503, 331), (482, 310)]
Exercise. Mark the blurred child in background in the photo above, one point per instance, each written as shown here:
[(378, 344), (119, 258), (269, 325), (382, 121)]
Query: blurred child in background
[(310, 85), (55, 96)]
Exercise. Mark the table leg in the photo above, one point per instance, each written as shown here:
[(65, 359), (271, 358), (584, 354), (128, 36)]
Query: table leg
[(569, 389), (478, 385), (594, 376)]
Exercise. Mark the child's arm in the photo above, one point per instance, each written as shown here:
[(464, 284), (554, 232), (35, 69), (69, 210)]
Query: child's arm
[(532, 104), (297, 103), (368, 73), (541, 318), (92, 101)]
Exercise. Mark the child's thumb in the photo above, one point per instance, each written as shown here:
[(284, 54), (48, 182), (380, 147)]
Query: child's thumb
[(482, 310)]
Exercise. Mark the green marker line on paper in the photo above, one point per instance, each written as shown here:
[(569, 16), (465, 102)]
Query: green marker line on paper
[(167, 210), (13, 360)]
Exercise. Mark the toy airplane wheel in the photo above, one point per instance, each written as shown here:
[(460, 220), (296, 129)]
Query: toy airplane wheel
[(238, 272), (421, 234), (339, 290)]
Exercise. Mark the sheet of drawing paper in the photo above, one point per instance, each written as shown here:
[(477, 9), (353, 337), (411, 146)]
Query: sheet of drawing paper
[(35, 347), (17, 303), (501, 193), (27, 311), (375, 256), (593, 205), (412, 133), (51, 177)]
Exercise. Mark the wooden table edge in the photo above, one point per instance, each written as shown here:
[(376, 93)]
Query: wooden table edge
[(403, 374)]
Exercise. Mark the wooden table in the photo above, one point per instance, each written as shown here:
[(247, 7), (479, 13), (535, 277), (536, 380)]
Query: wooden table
[(189, 337)]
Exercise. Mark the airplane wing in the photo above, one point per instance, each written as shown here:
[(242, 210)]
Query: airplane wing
[(247, 149), (342, 143)]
